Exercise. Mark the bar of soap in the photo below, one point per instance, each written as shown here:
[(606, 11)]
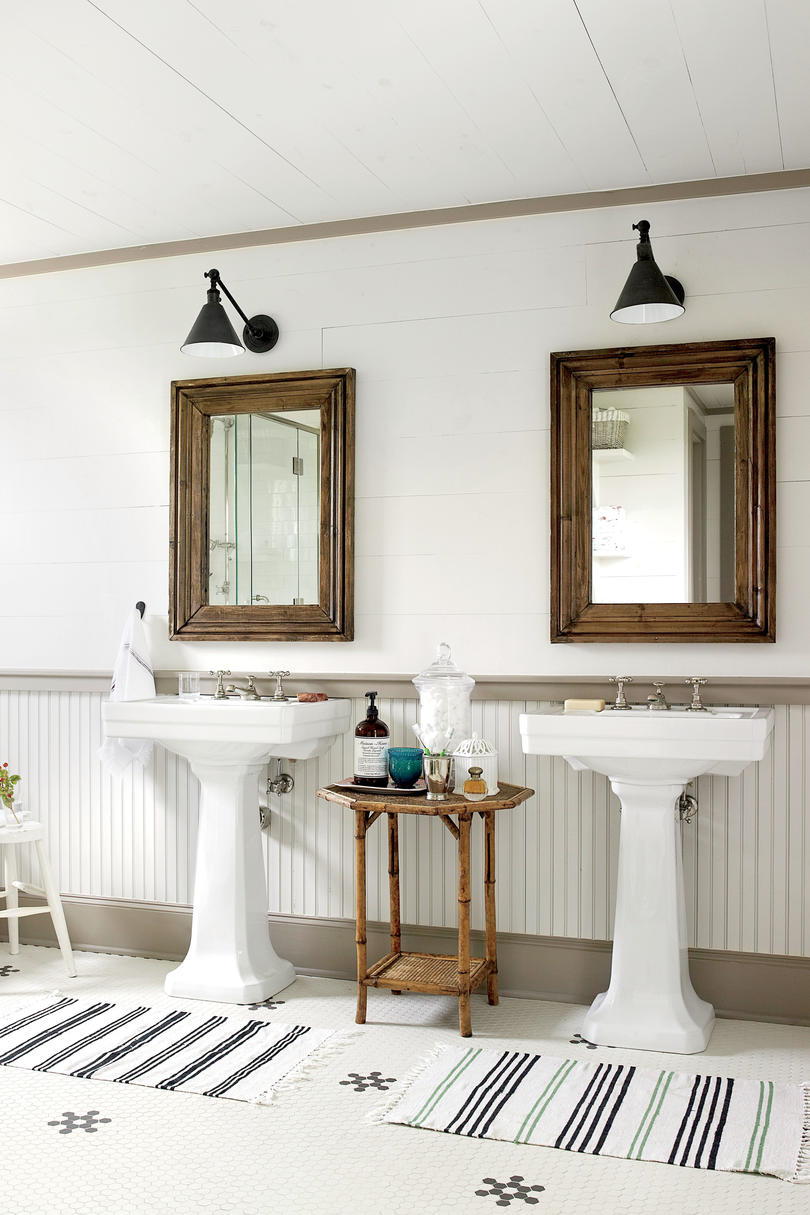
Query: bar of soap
[(311, 697), (583, 706)]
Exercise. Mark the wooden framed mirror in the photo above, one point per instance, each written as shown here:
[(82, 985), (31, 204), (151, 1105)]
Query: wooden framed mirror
[(262, 507), (663, 493)]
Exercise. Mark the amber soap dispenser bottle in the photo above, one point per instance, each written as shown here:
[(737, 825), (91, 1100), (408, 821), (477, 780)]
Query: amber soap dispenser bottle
[(371, 747)]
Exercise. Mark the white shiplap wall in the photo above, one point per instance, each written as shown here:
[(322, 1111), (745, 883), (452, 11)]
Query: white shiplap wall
[(449, 329), (747, 856)]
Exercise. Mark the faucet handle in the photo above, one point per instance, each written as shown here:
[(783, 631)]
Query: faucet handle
[(620, 681), (696, 682), (220, 693), (279, 693)]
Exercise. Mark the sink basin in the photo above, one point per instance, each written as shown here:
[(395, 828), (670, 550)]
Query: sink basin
[(227, 743), (230, 729), (649, 757), (634, 744)]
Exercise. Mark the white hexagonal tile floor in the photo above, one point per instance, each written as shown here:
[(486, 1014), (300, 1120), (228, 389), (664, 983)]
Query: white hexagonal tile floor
[(84, 1147)]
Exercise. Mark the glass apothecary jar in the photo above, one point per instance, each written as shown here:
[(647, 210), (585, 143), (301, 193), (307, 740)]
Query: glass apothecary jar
[(445, 715)]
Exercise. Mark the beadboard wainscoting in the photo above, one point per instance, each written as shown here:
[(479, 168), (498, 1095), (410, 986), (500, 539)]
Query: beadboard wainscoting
[(746, 856)]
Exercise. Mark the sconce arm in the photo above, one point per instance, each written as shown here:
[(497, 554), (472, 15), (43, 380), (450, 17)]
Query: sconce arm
[(217, 284)]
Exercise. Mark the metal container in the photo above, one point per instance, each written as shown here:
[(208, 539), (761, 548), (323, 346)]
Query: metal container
[(438, 776)]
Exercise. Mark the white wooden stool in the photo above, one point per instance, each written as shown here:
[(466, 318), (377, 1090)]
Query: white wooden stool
[(12, 838)]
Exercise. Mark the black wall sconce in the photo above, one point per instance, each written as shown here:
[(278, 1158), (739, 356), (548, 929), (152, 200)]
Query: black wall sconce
[(213, 336), (648, 295)]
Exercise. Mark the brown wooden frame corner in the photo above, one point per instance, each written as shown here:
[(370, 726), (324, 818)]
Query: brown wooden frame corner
[(191, 617), (750, 364)]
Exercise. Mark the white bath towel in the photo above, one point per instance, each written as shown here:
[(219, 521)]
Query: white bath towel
[(133, 679)]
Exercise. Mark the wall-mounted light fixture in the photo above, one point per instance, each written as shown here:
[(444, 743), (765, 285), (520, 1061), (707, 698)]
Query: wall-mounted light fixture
[(648, 295), (213, 336)]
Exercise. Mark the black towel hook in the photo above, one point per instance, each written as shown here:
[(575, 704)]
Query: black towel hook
[(141, 607)]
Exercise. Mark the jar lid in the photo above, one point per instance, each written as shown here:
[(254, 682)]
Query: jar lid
[(442, 667), (475, 746)]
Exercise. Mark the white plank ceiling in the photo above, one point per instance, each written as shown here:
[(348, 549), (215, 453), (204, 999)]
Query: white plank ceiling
[(127, 123)]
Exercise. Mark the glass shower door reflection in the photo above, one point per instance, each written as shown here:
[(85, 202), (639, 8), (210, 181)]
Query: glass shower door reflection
[(265, 509), (309, 516)]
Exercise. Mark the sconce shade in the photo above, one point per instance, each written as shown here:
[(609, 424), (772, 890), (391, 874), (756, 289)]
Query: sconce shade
[(212, 334), (649, 295)]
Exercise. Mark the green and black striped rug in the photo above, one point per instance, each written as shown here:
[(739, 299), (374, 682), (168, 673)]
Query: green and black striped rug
[(611, 1109)]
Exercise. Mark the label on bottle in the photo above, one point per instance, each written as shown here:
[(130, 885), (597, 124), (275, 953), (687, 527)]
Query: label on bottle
[(371, 757)]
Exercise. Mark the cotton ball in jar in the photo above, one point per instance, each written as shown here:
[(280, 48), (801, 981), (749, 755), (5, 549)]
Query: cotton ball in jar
[(444, 701)]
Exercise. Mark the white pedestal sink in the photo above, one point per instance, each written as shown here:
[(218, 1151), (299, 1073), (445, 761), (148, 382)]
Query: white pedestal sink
[(649, 757), (227, 743)]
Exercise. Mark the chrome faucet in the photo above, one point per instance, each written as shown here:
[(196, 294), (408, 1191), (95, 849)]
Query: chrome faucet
[(248, 693), (620, 681), (697, 705), (657, 701), (220, 693), (279, 676)]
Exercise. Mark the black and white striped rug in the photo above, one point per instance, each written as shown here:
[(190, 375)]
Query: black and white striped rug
[(610, 1109), (170, 1048)]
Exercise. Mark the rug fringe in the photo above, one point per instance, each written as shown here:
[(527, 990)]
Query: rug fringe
[(23, 1004), (303, 1072), (380, 1112), (802, 1174)]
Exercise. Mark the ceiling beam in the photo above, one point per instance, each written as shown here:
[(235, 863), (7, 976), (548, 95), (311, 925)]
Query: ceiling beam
[(787, 179)]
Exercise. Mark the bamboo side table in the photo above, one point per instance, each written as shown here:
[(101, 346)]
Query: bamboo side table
[(437, 974)]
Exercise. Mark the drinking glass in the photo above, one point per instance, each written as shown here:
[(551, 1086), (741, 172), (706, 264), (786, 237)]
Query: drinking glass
[(404, 766), (188, 685)]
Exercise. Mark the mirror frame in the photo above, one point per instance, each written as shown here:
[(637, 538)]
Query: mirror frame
[(191, 617), (750, 365)]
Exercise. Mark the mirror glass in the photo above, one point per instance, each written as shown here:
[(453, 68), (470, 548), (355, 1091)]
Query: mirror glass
[(264, 507), (663, 465)]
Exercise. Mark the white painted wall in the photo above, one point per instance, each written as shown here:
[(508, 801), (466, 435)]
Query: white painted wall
[(746, 856), (449, 329)]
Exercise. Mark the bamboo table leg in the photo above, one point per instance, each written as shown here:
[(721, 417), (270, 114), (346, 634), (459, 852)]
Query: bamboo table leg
[(464, 1019), (393, 885), (360, 896), (489, 905)]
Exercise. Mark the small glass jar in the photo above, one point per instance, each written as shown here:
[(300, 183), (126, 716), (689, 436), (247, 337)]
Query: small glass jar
[(14, 815), (445, 713)]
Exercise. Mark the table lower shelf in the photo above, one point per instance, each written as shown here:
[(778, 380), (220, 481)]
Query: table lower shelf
[(432, 973)]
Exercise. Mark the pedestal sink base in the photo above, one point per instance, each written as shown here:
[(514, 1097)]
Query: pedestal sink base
[(651, 1003), (230, 958), (685, 1031), (203, 979), (649, 757), (227, 744)]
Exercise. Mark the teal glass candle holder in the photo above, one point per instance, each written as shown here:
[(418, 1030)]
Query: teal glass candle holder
[(404, 766)]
